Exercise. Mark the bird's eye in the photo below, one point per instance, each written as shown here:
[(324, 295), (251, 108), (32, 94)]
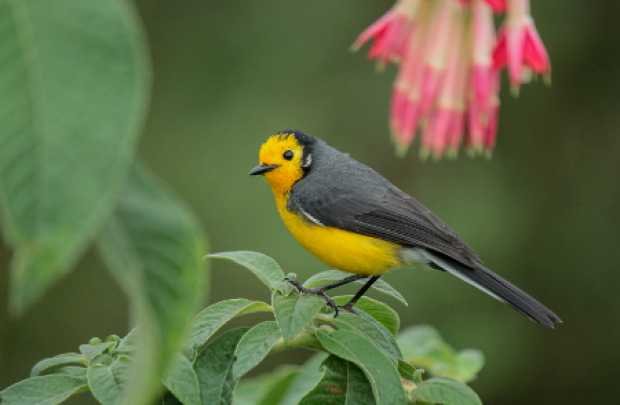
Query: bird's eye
[(288, 155)]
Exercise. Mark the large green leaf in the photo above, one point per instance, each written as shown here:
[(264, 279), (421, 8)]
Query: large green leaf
[(42, 390), (181, 380), (48, 365), (108, 380), (267, 389), (214, 368), (211, 319), (383, 313), (371, 328), (294, 311), (446, 392), (424, 347), (262, 266), (342, 383), (380, 370), (332, 276), (254, 346), (74, 80), (305, 380), (154, 247)]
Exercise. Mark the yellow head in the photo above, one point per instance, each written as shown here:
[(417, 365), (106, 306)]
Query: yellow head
[(283, 159)]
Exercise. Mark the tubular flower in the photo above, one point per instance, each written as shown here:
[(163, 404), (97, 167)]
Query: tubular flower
[(519, 44), (390, 32), (448, 82)]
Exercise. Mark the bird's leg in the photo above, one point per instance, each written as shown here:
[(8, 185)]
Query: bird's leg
[(321, 291), (349, 305)]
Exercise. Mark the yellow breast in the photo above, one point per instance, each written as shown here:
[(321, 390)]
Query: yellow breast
[(343, 250)]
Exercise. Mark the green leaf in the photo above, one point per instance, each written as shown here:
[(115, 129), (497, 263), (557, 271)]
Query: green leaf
[(72, 371), (262, 266), (182, 381), (214, 368), (107, 381), (332, 276), (379, 369), (422, 346), (342, 383), (372, 329), (383, 313), (294, 312), (305, 380), (50, 364), (267, 389), (469, 363), (254, 346), (75, 85), (211, 319), (446, 392), (42, 390), (154, 247), (95, 348)]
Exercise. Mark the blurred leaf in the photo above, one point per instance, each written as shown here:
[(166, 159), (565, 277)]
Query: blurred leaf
[(254, 346), (446, 392), (332, 276), (51, 363), (128, 343), (422, 346), (343, 383), (42, 390), (212, 318), (267, 389), (305, 380), (294, 312), (372, 329), (214, 368), (469, 363), (72, 371), (75, 81), (377, 309), (95, 348), (182, 381), (379, 369), (264, 267), (154, 247), (107, 381)]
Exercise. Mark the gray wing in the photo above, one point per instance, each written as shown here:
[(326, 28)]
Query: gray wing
[(346, 194)]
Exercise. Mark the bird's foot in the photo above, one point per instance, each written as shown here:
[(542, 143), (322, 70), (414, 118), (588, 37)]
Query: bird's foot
[(318, 291), (348, 307)]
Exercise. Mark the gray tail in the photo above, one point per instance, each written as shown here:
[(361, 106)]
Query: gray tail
[(499, 288)]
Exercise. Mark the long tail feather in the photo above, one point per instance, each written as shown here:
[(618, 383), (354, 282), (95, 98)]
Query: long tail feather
[(499, 288)]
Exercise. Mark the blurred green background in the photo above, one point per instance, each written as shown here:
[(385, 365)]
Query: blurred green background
[(543, 212)]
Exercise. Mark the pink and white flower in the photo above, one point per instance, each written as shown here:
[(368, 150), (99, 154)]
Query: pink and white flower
[(519, 46), (447, 87)]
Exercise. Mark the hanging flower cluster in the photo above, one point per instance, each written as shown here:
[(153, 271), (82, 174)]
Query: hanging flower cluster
[(450, 57)]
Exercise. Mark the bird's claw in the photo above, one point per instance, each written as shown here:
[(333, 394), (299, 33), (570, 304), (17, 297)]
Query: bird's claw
[(329, 301)]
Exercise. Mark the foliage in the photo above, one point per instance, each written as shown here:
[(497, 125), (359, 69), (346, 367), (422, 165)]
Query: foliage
[(75, 80), (360, 358)]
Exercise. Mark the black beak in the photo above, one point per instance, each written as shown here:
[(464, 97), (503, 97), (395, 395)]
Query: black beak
[(261, 169)]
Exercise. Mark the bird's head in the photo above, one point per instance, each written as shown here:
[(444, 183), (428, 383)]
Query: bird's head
[(284, 158)]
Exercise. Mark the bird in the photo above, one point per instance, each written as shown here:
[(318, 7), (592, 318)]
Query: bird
[(355, 220)]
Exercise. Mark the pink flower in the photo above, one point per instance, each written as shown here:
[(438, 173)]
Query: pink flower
[(390, 33), (519, 46), (448, 83), (499, 6), (484, 79)]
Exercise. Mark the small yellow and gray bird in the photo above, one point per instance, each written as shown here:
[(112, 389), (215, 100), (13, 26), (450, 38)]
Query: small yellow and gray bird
[(355, 220)]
